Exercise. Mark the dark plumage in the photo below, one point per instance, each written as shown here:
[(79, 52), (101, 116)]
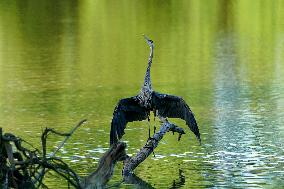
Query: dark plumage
[(174, 107), (127, 110), (138, 108)]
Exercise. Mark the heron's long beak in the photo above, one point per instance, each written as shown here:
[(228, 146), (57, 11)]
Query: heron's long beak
[(149, 41)]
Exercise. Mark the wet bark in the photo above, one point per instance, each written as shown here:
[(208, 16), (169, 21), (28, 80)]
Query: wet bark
[(130, 163), (100, 177), (22, 167), (25, 168)]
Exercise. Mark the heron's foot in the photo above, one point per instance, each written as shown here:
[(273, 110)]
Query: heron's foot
[(150, 139), (179, 134), (163, 119), (150, 142), (149, 147)]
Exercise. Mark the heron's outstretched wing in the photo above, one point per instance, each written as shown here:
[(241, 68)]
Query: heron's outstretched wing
[(127, 110), (175, 107)]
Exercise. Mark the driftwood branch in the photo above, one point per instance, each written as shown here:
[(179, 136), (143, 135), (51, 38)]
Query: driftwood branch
[(130, 163), (67, 137), (41, 173), (25, 168), (102, 175)]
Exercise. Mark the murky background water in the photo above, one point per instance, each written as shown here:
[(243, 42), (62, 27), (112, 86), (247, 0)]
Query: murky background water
[(62, 61)]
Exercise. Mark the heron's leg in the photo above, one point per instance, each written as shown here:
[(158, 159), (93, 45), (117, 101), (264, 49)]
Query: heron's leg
[(162, 119), (154, 133), (155, 127), (149, 130), (149, 137), (155, 114)]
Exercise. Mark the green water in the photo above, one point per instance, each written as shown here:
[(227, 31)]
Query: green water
[(62, 61)]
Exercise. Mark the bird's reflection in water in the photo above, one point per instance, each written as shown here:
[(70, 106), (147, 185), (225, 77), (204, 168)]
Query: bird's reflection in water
[(180, 182), (137, 182)]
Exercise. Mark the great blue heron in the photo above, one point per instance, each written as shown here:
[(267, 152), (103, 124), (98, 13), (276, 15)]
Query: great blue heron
[(137, 108)]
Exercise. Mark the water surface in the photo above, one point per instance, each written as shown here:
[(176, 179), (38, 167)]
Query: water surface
[(62, 61)]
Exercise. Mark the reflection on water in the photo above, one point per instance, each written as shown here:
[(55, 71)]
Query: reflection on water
[(242, 148), (62, 61)]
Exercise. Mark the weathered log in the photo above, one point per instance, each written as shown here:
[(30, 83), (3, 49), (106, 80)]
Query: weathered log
[(33, 164), (104, 172), (10, 174)]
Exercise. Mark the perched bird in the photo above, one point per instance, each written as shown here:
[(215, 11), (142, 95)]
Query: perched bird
[(137, 108)]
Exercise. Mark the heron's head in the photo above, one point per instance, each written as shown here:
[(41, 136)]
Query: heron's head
[(149, 41)]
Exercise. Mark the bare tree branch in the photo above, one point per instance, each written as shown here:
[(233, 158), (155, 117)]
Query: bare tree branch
[(24, 168), (43, 139), (130, 163), (67, 137)]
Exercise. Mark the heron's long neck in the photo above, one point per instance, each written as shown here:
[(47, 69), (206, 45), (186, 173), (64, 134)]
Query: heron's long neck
[(147, 80)]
